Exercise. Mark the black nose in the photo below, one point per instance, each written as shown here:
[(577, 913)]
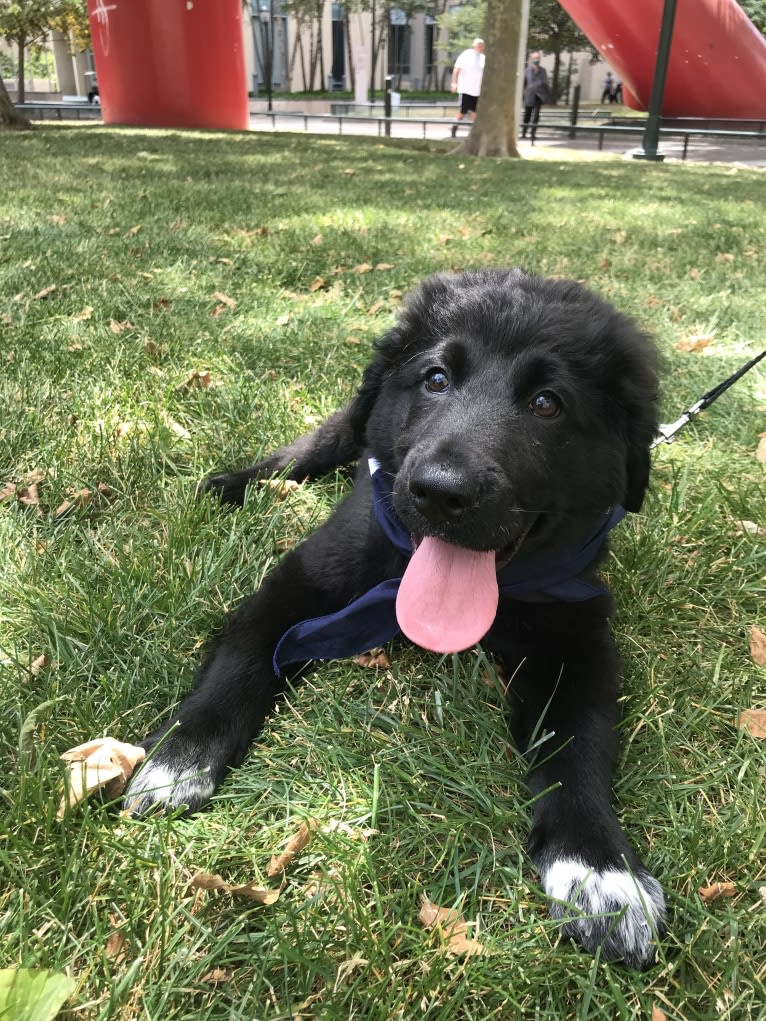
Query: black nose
[(442, 493)]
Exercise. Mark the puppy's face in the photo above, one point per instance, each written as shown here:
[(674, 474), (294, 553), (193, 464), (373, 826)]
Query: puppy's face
[(511, 410)]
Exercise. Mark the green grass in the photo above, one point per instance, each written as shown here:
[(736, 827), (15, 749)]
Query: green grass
[(143, 228)]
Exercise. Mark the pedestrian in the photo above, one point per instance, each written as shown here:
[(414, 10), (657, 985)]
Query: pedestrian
[(618, 91), (466, 79), (607, 93), (536, 92)]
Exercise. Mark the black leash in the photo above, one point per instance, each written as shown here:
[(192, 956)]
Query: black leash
[(667, 433)]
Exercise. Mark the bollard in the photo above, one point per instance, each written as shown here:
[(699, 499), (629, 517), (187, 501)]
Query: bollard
[(387, 103), (574, 111)]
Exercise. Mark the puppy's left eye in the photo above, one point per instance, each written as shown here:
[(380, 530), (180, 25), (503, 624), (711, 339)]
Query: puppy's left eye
[(545, 404), (437, 381)]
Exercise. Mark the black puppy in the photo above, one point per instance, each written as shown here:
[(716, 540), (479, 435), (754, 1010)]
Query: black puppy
[(502, 428)]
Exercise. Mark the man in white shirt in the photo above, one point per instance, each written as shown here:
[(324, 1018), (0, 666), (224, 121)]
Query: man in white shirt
[(466, 79)]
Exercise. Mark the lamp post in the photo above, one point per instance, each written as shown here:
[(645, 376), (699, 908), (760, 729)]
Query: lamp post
[(372, 61), (649, 150)]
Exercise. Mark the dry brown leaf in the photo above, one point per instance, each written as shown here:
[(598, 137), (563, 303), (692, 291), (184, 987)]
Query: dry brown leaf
[(87, 313), (297, 843), (694, 273), (225, 299), (282, 487), (132, 231), (760, 450), (741, 527), (375, 659), (197, 379), (363, 267), (104, 762), (37, 666), (754, 722), (375, 307), (658, 1014), (724, 257), (696, 342), (382, 266), (250, 891), (116, 942), (283, 320), (452, 927), (79, 499), (46, 291), (317, 239), (317, 284), (7, 491), (758, 645), (717, 890), (216, 976)]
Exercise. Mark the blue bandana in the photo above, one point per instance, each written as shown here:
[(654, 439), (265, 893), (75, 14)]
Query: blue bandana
[(370, 620)]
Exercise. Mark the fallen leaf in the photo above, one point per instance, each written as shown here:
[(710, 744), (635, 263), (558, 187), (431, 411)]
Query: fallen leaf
[(375, 307), (117, 327), (197, 379), (658, 1014), (293, 848), (382, 266), (741, 527), (694, 273), (104, 762), (717, 890), (283, 320), (452, 927), (229, 302), (317, 239), (250, 891), (7, 491), (760, 452), (216, 976), (375, 659), (132, 231), (696, 342), (363, 267), (724, 257), (37, 666), (46, 291), (317, 284), (79, 499), (87, 313), (753, 721), (116, 943), (758, 645), (282, 487)]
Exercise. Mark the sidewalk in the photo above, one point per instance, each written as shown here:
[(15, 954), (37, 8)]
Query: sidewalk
[(745, 152)]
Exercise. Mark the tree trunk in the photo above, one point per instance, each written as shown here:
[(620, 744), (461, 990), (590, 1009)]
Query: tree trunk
[(21, 85), (10, 117), (495, 129)]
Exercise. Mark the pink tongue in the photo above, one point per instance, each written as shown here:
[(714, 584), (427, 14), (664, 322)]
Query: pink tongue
[(448, 596)]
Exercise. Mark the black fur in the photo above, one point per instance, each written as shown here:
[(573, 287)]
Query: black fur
[(489, 464)]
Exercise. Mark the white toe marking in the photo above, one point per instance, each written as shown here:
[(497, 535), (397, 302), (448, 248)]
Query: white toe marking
[(162, 786), (594, 894)]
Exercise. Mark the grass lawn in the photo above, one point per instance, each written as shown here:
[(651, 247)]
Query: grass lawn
[(133, 263)]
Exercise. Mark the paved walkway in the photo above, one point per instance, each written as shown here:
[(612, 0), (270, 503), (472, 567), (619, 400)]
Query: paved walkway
[(751, 153)]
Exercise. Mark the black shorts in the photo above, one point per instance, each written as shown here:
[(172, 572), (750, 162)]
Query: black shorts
[(468, 103)]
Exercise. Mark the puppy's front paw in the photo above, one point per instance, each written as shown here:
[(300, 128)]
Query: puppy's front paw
[(174, 776), (619, 911)]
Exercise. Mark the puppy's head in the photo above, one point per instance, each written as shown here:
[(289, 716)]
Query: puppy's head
[(510, 407)]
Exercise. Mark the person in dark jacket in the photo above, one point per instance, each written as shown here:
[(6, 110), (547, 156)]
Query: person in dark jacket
[(536, 92)]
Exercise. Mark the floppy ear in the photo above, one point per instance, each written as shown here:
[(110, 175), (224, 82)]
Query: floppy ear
[(639, 402)]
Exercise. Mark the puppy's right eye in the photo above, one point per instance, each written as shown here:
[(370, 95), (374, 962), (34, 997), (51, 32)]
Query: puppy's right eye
[(437, 381)]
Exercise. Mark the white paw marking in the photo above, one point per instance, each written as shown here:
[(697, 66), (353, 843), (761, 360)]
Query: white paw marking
[(156, 785), (613, 908)]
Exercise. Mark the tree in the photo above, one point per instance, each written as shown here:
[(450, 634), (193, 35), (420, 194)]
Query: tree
[(553, 31), (24, 21), (10, 117), (495, 129), (756, 11)]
